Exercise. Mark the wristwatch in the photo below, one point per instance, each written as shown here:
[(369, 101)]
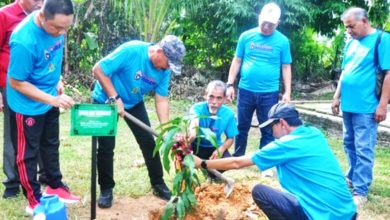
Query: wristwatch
[(229, 85), (203, 164), (112, 99)]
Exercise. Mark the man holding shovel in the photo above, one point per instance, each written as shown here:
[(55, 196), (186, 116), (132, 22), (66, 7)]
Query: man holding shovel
[(308, 171), (123, 77)]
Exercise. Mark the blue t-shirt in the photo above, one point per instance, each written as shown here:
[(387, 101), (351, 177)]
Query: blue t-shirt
[(262, 57), (358, 82), (308, 169), (132, 74), (223, 122), (35, 57)]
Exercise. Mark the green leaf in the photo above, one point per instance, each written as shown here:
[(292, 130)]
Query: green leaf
[(186, 201), (191, 197), (189, 163), (180, 208), (165, 135), (165, 156), (210, 136), (177, 183), (168, 212), (195, 179), (91, 40)]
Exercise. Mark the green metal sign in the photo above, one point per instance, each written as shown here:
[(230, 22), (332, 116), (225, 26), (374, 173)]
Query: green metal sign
[(94, 120)]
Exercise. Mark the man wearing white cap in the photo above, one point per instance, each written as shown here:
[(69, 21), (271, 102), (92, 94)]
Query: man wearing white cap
[(124, 76), (261, 54)]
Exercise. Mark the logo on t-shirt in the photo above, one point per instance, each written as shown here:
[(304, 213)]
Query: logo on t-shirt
[(51, 67), (30, 121), (49, 52), (47, 55), (138, 75), (263, 47), (149, 80)]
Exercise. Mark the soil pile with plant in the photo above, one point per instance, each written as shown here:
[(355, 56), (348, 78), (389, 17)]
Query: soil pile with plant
[(212, 204)]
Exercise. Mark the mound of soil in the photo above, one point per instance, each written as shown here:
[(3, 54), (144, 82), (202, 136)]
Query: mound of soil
[(213, 204)]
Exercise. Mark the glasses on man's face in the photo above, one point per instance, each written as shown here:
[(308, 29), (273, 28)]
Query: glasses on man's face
[(274, 123), (218, 98), (267, 24)]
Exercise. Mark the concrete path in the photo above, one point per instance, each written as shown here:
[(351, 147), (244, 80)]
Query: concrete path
[(320, 113)]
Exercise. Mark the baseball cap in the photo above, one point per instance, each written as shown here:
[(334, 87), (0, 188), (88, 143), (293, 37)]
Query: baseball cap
[(270, 13), (281, 110), (174, 49)]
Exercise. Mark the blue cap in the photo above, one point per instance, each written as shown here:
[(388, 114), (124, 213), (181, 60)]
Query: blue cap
[(281, 110), (174, 49)]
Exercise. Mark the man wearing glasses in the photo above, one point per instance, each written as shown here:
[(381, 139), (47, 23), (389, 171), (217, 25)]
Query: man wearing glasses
[(216, 116), (312, 180), (123, 77), (261, 54)]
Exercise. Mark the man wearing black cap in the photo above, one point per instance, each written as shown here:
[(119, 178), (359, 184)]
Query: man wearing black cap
[(313, 183), (124, 76)]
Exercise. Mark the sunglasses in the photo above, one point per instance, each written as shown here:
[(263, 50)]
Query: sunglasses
[(274, 123)]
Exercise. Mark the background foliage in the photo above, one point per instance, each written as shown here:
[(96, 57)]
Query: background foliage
[(210, 30)]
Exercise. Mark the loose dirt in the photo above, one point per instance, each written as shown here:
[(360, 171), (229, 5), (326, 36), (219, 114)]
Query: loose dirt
[(212, 205)]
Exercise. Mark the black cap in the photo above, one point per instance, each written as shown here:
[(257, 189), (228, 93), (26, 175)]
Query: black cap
[(281, 110)]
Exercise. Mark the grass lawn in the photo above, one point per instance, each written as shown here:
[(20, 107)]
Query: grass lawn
[(132, 180)]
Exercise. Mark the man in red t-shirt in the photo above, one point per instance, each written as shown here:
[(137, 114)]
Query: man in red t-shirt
[(10, 16)]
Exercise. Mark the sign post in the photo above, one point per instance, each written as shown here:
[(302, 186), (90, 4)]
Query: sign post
[(94, 120)]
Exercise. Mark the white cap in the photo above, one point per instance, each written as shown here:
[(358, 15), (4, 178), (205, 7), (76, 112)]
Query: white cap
[(270, 13)]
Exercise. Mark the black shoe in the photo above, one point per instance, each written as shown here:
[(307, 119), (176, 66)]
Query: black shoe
[(42, 179), (105, 198), (161, 190), (11, 193)]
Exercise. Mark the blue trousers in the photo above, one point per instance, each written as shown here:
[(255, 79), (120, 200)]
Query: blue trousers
[(277, 205), (359, 139), (248, 102)]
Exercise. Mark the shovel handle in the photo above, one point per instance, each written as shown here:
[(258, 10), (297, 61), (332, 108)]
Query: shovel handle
[(140, 123), (220, 176)]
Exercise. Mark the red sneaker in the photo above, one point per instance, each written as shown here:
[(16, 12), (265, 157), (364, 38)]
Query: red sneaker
[(63, 194)]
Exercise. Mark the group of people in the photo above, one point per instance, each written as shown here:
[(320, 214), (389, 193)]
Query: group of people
[(315, 187)]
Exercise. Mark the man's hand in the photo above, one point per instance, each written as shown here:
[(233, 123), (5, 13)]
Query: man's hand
[(380, 113), (197, 160), (121, 108), (60, 87), (230, 93), (286, 98), (217, 154), (336, 106), (63, 101)]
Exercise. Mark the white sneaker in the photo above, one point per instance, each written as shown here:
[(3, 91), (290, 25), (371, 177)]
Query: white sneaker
[(360, 200), (30, 210), (267, 173)]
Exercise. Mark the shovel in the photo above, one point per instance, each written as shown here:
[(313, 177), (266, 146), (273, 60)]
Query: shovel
[(229, 182)]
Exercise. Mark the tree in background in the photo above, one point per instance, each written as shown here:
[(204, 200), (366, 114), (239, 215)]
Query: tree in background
[(210, 30), (5, 2)]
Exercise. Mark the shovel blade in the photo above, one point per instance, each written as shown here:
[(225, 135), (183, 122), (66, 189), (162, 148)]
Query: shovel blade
[(228, 190)]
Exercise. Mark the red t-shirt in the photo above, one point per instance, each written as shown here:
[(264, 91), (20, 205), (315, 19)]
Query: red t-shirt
[(10, 16)]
